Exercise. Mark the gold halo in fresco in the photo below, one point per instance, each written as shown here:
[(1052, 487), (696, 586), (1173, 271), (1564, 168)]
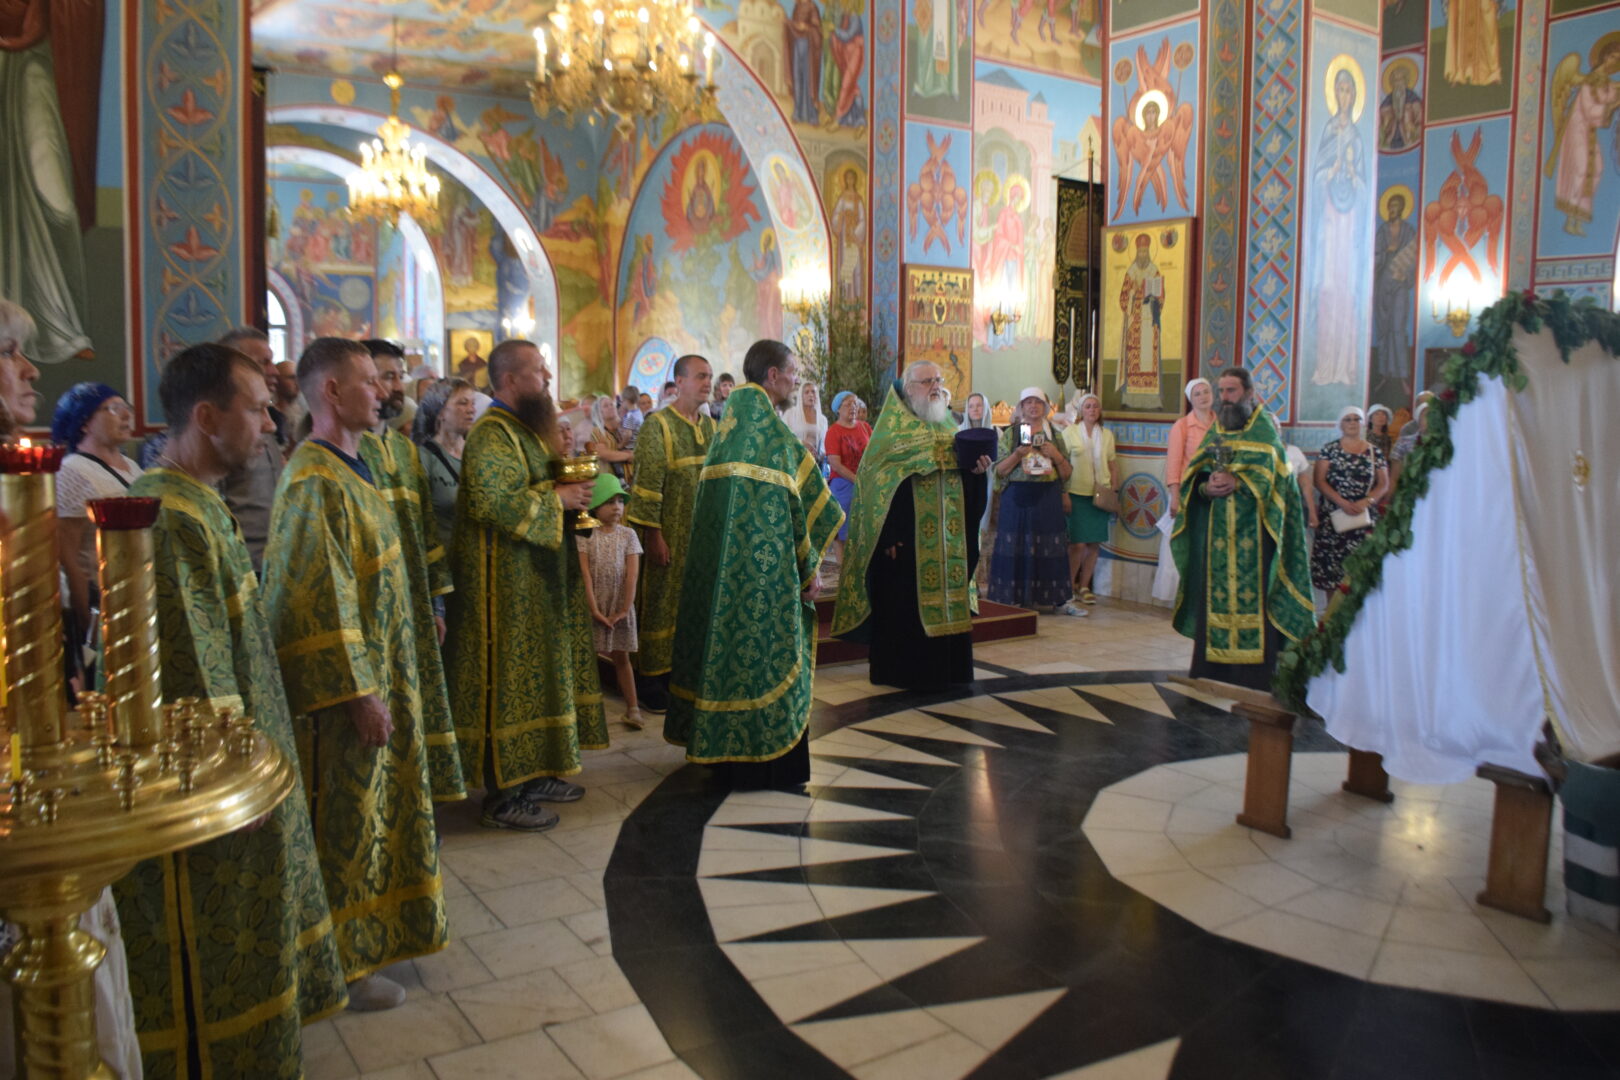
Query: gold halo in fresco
[(1345, 62), (1402, 63), (1158, 98), (1020, 201), (988, 176), (343, 91), (1383, 200)]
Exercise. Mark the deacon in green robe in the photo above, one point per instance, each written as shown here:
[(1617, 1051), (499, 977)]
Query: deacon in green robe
[(1240, 545), (397, 470), (229, 943), (669, 456), (338, 595), (745, 639), (904, 588), (524, 686)]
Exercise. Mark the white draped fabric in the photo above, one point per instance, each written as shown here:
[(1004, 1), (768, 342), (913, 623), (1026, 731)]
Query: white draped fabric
[(1456, 661)]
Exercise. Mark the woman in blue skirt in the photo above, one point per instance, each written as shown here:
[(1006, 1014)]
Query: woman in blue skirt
[(1030, 565)]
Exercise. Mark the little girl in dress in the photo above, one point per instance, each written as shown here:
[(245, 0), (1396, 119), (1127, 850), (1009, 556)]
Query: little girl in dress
[(609, 560)]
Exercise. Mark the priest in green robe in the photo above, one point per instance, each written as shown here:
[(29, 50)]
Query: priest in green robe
[(524, 686), (670, 450), (396, 468), (905, 589), (338, 597), (745, 638), (229, 943), (1240, 545)]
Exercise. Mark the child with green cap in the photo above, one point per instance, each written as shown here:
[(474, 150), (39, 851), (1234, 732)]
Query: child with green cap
[(609, 561)]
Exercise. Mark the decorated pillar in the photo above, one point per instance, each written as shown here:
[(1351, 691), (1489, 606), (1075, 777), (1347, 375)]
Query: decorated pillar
[(187, 115)]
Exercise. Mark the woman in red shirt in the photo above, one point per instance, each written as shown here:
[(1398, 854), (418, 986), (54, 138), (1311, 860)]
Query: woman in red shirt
[(846, 442)]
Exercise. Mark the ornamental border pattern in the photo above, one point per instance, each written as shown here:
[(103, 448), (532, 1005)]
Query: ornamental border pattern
[(1273, 201), (185, 165), (1222, 274), (1526, 153), (888, 17)]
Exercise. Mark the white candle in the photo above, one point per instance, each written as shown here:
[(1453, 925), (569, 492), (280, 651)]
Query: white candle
[(708, 58), (540, 57)]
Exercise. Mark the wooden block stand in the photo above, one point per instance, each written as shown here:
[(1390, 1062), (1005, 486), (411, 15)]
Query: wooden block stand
[(1271, 759), (1521, 834), (1367, 777)]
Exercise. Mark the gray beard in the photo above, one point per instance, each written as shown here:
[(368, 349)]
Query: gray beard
[(929, 412), (1232, 415)]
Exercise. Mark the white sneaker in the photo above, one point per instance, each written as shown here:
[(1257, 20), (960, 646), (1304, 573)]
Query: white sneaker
[(1071, 608), (375, 993)]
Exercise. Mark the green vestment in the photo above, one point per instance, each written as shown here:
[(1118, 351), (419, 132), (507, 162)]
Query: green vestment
[(902, 447), (397, 471), (1220, 547), (230, 942), (670, 451), (745, 641), (338, 597), (523, 676)]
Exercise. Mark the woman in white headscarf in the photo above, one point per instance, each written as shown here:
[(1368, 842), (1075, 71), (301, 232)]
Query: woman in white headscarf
[(1350, 477), (1378, 433), (1186, 435), (805, 419)]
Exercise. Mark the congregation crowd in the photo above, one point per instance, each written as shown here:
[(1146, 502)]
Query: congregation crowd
[(396, 580)]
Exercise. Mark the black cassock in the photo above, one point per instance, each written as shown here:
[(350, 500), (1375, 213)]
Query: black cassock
[(901, 654)]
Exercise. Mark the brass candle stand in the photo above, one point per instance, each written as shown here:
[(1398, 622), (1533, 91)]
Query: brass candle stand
[(92, 794)]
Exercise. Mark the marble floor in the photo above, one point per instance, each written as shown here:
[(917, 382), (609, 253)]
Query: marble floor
[(1032, 877)]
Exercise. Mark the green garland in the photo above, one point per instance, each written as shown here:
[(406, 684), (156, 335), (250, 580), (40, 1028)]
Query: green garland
[(1490, 353)]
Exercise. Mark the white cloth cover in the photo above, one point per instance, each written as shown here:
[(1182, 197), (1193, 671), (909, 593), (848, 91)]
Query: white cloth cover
[(1447, 661), (115, 1012), (1166, 578)]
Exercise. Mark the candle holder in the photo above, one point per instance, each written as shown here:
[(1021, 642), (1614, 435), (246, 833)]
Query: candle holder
[(88, 801)]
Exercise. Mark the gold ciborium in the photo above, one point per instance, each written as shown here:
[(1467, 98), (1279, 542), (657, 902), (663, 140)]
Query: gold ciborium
[(92, 794), (582, 469)]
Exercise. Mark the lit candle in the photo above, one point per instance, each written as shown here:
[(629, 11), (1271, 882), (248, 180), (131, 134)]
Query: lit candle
[(540, 57), (16, 757), (708, 58)]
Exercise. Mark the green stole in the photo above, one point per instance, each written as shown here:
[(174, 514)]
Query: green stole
[(1219, 548), (906, 447), (745, 641)]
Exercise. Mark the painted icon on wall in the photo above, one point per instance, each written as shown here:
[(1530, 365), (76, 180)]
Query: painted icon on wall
[(1144, 318), (1582, 102), (939, 60), (1400, 112), (937, 196), (1152, 103), (1471, 51), (938, 324), (1065, 37)]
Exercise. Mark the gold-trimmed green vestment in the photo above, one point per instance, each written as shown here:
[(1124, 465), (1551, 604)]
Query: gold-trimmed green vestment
[(229, 943), (1244, 562), (523, 675), (338, 597), (670, 451), (745, 640), (397, 471)]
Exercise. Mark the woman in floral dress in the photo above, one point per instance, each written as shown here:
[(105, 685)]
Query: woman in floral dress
[(1350, 476)]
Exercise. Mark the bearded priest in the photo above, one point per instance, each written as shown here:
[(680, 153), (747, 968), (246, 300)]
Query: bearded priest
[(905, 586), (1240, 545)]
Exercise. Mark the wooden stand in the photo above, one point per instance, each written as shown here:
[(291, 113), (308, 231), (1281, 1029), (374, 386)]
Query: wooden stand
[(1271, 758), (1521, 832), (1367, 777)]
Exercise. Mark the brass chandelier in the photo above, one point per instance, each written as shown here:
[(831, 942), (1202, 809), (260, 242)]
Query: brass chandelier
[(393, 178), (632, 58)]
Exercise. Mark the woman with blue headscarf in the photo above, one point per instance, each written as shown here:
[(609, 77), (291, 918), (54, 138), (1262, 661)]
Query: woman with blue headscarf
[(93, 421), (845, 443)]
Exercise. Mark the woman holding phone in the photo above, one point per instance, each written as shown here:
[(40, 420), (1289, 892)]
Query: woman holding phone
[(1030, 565)]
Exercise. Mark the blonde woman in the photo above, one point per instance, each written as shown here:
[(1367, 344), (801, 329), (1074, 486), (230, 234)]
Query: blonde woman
[(1090, 447)]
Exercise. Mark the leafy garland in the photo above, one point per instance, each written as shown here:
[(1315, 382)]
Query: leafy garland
[(1489, 352)]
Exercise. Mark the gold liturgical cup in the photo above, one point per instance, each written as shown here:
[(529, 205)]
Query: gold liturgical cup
[(128, 780), (580, 470)]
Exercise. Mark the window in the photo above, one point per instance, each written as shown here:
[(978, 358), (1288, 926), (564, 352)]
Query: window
[(278, 326)]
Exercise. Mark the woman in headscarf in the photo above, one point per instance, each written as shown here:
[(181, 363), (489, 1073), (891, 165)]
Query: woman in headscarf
[(1090, 447), (845, 443), (1378, 429), (804, 418), (1407, 441), (607, 439), (93, 421), (1030, 566), (442, 421), (1350, 476), (1186, 435)]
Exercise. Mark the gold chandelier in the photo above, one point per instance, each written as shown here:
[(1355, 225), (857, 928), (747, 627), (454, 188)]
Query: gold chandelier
[(393, 177), (627, 57)]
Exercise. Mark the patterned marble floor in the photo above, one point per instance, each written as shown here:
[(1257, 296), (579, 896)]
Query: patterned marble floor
[(934, 908)]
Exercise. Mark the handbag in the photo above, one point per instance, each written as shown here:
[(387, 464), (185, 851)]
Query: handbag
[(1343, 522), (1106, 499)]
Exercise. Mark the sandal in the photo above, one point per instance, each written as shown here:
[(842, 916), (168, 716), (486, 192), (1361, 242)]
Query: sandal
[(1087, 596)]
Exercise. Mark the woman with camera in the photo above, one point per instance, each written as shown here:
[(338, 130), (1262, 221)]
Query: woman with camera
[(1030, 565)]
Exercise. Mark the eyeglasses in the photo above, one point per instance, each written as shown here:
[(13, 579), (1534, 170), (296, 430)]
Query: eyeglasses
[(928, 382)]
